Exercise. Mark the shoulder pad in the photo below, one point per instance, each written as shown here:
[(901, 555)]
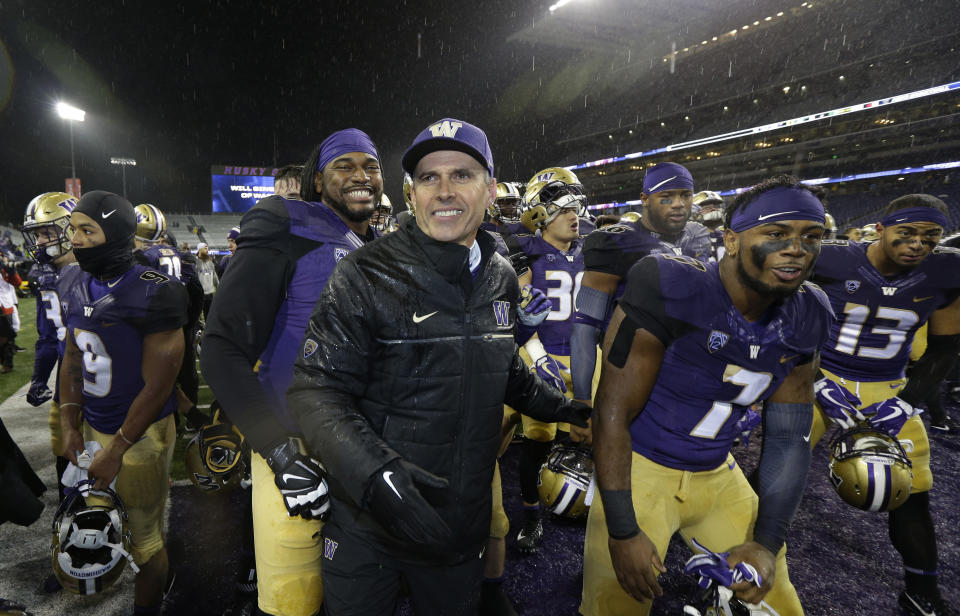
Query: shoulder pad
[(835, 243), (946, 250)]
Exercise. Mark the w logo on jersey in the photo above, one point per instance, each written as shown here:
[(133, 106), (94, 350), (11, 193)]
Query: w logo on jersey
[(501, 311), (329, 548), (546, 177), (888, 290), (87, 311), (852, 286), (717, 340), (339, 253), (445, 129)]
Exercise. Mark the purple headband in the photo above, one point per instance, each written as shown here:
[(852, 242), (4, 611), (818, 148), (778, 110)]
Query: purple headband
[(343, 142), (666, 176), (777, 204), (914, 214)]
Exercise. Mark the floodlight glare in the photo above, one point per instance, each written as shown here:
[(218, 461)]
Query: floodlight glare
[(69, 112)]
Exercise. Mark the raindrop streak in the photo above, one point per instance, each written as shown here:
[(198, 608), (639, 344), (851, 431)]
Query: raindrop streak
[(419, 54)]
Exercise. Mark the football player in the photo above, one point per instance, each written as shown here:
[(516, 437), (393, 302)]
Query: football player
[(690, 347), (504, 213), (155, 247), (608, 255), (710, 215), (883, 292), (286, 252), (555, 264), (124, 345)]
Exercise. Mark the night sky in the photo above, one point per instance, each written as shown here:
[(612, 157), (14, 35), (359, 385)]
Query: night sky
[(180, 87)]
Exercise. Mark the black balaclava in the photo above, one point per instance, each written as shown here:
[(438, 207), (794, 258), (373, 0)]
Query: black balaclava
[(117, 218)]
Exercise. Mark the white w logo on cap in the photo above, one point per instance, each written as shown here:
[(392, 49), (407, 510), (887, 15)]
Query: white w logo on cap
[(445, 129)]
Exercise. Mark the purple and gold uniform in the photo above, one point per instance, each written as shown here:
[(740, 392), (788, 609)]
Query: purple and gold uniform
[(715, 365), (164, 259), (108, 322), (558, 274), (614, 249), (52, 285), (877, 320)]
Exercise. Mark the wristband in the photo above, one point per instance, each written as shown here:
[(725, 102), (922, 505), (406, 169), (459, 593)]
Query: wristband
[(621, 518), (123, 438), (66, 404), (535, 350)]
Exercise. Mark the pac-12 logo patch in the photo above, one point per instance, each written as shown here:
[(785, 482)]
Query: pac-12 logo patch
[(852, 286), (309, 347), (339, 253), (501, 311), (717, 340)]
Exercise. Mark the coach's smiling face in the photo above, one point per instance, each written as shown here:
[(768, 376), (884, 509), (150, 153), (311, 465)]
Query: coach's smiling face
[(451, 191)]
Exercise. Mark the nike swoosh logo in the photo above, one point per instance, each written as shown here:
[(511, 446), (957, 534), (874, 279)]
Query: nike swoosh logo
[(386, 478), (520, 535), (106, 215), (287, 476), (785, 358), (922, 299), (418, 319), (777, 214), (654, 188), (114, 283), (807, 437), (826, 394)]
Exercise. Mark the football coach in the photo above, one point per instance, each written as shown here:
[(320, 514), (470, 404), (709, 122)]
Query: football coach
[(399, 387)]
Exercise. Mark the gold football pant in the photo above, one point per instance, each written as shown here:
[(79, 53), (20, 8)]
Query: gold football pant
[(143, 484), (288, 550), (718, 508)]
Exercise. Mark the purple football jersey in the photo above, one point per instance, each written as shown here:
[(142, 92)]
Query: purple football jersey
[(558, 274), (878, 316), (716, 363), (108, 322)]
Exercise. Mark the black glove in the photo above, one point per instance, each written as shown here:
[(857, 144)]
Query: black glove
[(38, 393), (520, 262), (300, 479), (397, 504), (575, 412)]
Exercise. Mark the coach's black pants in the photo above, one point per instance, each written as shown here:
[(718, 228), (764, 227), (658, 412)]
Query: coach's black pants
[(360, 580)]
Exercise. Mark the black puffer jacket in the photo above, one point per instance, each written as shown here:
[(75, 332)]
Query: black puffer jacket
[(407, 355)]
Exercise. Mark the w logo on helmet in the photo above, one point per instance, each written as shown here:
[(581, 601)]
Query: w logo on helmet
[(445, 129), (546, 177)]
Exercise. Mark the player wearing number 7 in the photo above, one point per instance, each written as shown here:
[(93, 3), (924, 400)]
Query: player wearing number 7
[(689, 348), (124, 348), (882, 293)]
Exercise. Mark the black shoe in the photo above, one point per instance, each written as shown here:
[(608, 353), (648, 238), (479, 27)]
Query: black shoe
[(50, 585), (494, 601), (531, 535), (945, 426), (919, 605)]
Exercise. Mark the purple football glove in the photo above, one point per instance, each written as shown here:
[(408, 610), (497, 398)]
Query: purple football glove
[(890, 415), (750, 420), (534, 306), (551, 371), (839, 404), (713, 567)]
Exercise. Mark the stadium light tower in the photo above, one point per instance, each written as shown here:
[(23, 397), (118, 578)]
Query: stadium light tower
[(71, 114), (123, 161)]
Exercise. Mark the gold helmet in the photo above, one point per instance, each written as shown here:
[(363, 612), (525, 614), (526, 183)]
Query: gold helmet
[(564, 479), (382, 219), (151, 224), (91, 542), (869, 233), (712, 202), (509, 203), (551, 184), (870, 470), (632, 217), (215, 457), (407, 190), (44, 226)]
